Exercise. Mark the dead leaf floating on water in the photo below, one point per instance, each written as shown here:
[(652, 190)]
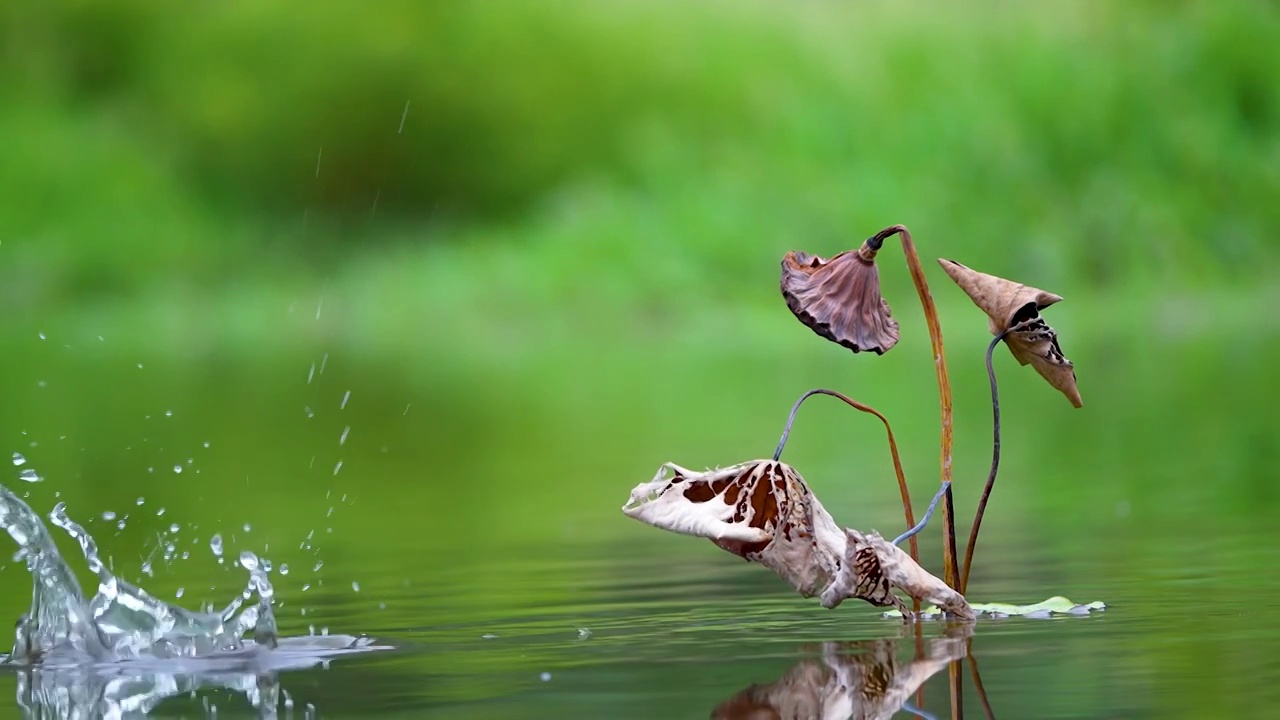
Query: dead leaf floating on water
[(840, 299), (764, 512), (1015, 308)]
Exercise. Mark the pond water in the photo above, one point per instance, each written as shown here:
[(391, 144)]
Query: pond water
[(684, 630), (448, 508)]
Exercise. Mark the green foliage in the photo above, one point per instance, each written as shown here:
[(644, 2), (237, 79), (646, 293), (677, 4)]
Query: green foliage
[(1082, 144)]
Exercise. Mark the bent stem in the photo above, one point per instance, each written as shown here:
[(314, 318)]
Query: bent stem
[(977, 683), (951, 568), (893, 450), (995, 465)]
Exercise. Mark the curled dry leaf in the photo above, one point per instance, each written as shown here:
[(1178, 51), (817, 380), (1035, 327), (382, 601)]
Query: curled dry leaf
[(839, 298), (849, 680), (906, 574), (1014, 308), (760, 510), (764, 511)]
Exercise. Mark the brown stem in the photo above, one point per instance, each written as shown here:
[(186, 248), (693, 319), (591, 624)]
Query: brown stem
[(955, 676), (951, 567), (995, 466), (977, 684), (893, 450)]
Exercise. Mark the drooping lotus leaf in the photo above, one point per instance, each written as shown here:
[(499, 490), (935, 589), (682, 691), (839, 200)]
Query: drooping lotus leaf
[(764, 512), (1015, 308), (840, 299)]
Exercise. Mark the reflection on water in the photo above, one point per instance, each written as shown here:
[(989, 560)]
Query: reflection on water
[(863, 680), (133, 689)]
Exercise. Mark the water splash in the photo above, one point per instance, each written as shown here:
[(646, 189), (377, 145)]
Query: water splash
[(121, 621), (114, 691)]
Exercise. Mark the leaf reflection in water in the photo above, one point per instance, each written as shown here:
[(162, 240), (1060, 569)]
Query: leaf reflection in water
[(862, 679)]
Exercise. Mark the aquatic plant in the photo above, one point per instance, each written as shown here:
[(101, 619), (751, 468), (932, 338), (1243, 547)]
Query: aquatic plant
[(764, 511)]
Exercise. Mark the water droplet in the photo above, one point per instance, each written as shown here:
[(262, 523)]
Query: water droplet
[(180, 592), (345, 397), (319, 564), (19, 459), (185, 555), (174, 528), (337, 467), (215, 544), (168, 413), (488, 636), (306, 587), (284, 568), (247, 527), (160, 512), (177, 469), (108, 515), (311, 374), (355, 586), (343, 439), (584, 633), (146, 569), (42, 383), (42, 336), (248, 561), (545, 677), (29, 475), (139, 366), (141, 500), (121, 525)]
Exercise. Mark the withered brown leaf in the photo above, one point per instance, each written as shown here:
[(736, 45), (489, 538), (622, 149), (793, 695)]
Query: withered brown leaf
[(1014, 309), (840, 299), (764, 511)]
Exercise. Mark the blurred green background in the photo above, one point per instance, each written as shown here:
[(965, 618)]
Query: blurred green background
[(536, 246)]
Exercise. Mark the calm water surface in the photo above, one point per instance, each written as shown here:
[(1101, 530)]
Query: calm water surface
[(469, 517), (680, 629)]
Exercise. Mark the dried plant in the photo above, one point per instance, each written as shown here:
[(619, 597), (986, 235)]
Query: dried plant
[(840, 300), (1013, 316), (764, 512), (1013, 312)]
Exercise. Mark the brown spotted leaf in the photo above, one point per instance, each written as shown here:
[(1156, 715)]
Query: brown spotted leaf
[(1016, 308), (764, 511), (840, 299)]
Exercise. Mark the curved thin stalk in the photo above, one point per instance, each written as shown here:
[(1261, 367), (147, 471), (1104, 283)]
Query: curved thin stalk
[(928, 514), (951, 567), (893, 450), (995, 465), (977, 683)]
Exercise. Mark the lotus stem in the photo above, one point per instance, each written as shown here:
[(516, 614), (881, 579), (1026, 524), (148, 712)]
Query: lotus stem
[(995, 465), (951, 566), (977, 683), (893, 450), (933, 504), (955, 680)]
